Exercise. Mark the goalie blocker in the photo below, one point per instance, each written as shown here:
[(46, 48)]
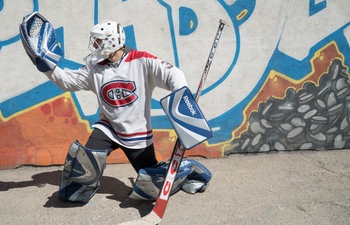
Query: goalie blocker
[(186, 117)]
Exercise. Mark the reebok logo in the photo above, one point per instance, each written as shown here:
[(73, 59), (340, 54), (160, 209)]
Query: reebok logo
[(189, 105)]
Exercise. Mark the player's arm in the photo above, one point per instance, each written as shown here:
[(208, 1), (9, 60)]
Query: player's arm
[(69, 80), (165, 75), (175, 78)]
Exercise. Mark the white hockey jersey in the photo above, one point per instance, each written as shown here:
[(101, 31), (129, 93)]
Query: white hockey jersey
[(123, 93)]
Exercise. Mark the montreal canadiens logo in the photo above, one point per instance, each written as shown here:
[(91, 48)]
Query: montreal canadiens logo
[(119, 93)]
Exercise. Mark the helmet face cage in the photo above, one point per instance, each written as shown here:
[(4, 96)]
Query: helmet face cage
[(106, 38), (94, 44)]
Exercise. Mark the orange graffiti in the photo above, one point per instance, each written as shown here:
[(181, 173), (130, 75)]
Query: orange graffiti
[(42, 135)]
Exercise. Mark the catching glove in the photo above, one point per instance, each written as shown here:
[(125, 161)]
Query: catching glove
[(39, 41)]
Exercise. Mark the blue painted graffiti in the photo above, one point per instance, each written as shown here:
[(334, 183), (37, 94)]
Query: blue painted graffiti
[(238, 13)]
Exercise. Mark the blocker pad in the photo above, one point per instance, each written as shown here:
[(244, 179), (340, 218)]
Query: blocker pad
[(186, 117)]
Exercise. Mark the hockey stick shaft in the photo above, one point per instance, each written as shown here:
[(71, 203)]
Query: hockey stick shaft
[(156, 215), (179, 151), (210, 59)]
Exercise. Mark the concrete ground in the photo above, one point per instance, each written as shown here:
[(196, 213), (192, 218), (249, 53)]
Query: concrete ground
[(308, 187)]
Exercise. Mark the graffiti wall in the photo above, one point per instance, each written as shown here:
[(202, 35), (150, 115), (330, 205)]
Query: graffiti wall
[(279, 79)]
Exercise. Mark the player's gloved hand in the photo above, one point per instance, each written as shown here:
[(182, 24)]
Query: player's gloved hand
[(39, 40)]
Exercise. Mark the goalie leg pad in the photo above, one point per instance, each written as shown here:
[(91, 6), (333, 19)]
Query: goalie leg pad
[(198, 180), (192, 177), (149, 181), (81, 174)]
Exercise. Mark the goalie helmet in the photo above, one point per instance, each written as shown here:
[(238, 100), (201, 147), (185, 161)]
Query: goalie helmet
[(105, 38)]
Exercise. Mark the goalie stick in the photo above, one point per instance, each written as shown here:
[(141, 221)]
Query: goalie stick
[(156, 215)]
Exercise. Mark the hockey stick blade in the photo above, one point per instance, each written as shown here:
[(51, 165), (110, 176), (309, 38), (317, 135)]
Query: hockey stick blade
[(156, 215)]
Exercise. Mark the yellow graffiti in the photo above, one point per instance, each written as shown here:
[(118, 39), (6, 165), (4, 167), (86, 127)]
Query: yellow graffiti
[(242, 14), (191, 24)]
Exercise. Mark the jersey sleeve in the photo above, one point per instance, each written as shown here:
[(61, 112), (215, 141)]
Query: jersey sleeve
[(165, 75), (69, 80)]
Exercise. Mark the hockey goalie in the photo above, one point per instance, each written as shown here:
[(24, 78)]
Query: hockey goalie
[(122, 80)]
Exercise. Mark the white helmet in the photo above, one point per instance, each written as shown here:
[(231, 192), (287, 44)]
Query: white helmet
[(111, 38)]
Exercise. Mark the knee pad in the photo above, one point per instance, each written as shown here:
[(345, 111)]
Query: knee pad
[(81, 173)]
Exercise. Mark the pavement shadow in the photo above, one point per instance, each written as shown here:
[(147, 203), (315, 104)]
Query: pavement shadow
[(144, 207), (114, 188), (38, 180)]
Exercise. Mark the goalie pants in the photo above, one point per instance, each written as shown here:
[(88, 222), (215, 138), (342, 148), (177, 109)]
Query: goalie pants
[(138, 158)]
